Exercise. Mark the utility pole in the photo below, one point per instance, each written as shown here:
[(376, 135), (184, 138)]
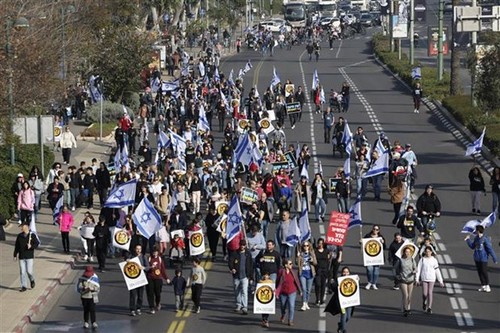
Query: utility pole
[(412, 31), (440, 40), (392, 6), (473, 76)]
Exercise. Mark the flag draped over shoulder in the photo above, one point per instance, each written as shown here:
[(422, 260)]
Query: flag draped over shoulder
[(293, 235), (380, 166), (476, 146), (146, 218), (304, 226), (355, 215), (234, 219), (123, 195)]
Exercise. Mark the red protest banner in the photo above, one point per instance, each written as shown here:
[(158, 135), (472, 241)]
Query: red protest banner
[(337, 229)]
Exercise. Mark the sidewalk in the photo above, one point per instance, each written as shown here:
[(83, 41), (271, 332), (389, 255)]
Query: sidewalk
[(52, 268)]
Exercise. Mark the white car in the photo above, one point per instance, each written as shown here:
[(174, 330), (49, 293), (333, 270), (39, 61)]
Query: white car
[(275, 25), (333, 22)]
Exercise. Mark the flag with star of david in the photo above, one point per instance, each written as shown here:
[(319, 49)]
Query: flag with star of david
[(146, 218), (234, 219), (122, 196), (355, 215), (244, 151)]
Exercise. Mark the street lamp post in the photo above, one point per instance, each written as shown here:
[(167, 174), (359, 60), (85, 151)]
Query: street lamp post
[(20, 22), (440, 40)]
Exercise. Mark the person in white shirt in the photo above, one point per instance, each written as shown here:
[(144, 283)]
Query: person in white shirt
[(427, 273)]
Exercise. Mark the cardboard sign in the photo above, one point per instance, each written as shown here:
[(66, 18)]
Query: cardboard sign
[(133, 274), (277, 166), (291, 160), (264, 300), (178, 232), (348, 291), (407, 244), (121, 239), (248, 196), (270, 114), (222, 207), (196, 243), (373, 251), (242, 125), (266, 126), (292, 108), (333, 184), (337, 229)]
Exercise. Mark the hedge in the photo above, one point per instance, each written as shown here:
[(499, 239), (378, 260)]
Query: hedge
[(26, 157)]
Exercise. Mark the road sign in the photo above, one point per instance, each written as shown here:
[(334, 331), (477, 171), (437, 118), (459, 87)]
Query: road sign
[(476, 19)]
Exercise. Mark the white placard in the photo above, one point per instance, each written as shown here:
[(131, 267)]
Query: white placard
[(266, 125), (264, 299), (407, 243), (178, 232), (121, 239), (348, 290), (373, 251), (196, 243), (133, 274), (270, 113)]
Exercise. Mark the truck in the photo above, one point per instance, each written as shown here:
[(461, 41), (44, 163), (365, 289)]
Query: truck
[(327, 8), (295, 13)]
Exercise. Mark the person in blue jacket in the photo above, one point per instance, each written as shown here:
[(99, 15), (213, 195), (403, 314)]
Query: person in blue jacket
[(482, 250)]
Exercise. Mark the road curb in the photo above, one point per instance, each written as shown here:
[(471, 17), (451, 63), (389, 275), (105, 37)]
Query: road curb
[(486, 158), (44, 298)]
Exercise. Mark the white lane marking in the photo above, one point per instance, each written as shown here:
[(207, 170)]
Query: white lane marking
[(436, 236), (454, 304), (458, 288), (449, 289), (460, 320), (463, 303), (321, 229), (447, 259), (439, 258), (444, 272), (338, 51), (442, 247), (311, 115), (468, 319), (453, 273), (322, 326)]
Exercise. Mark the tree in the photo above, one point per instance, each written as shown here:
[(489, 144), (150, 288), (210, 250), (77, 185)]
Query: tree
[(487, 85)]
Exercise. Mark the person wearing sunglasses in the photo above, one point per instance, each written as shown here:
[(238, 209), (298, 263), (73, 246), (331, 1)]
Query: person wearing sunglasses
[(307, 262), (286, 291)]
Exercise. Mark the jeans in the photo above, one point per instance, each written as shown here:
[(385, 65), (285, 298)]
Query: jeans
[(372, 273), (26, 268), (265, 227), (343, 204), (319, 208), (377, 183), (344, 318), (179, 302), (288, 301), (135, 298), (74, 193), (241, 293), (286, 251), (306, 285), (38, 198)]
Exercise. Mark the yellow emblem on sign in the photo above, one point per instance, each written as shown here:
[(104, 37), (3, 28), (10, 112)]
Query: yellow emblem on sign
[(265, 294), (348, 287), (222, 208), (373, 248), (57, 131), (265, 124), (132, 270), (196, 239), (122, 237), (411, 247)]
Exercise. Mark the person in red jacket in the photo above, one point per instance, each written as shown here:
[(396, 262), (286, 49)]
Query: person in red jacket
[(155, 276), (286, 289)]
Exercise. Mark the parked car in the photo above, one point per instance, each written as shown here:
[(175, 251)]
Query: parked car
[(333, 22), (366, 19), (376, 18)]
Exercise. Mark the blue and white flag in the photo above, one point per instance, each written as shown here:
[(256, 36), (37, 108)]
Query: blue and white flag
[(243, 152), (406, 198), (170, 85), (201, 68), (230, 79), (256, 154), (489, 220), (146, 218), (94, 279), (203, 124), (380, 166), (347, 166), (293, 235), (177, 141), (355, 215), (282, 29), (347, 138), (226, 102), (304, 226), (95, 90), (304, 172), (57, 210), (248, 67), (216, 75), (476, 146), (276, 79), (155, 84), (315, 81), (322, 99), (416, 73), (470, 226), (320, 168), (185, 71), (121, 159), (379, 146), (240, 74), (234, 219), (163, 140), (122, 196)]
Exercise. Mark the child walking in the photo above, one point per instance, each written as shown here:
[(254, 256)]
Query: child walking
[(179, 283), (197, 281)]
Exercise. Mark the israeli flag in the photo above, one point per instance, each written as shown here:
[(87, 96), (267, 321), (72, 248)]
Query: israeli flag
[(163, 140), (489, 220), (322, 99), (121, 158), (293, 235), (216, 75), (155, 84), (177, 141), (122, 196), (256, 154), (416, 73), (234, 219), (315, 81), (124, 108), (203, 124), (241, 74), (347, 138), (170, 85), (380, 166), (380, 146), (201, 68), (248, 67), (304, 226), (243, 152), (185, 71), (57, 210), (347, 166), (230, 79), (146, 218), (226, 103), (476, 146), (355, 215), (470, 227), (95, 91), (276, 79), (182, 162), (282, 28)]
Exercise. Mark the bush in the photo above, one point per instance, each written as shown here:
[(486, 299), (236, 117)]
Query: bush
[(94, 130), (132, 100), (111, 112), (26, 157)]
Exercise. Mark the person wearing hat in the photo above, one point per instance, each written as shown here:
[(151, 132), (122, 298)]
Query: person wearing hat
[(428, 203), (88, 287), (241, 267)]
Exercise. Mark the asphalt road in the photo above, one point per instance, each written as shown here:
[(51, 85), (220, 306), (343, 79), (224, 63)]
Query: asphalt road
[(378, 102)]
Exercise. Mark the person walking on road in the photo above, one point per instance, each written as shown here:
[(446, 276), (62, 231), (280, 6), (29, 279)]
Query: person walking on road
[(269, 260), (286, 290), (136, 295), (482, 250), (88, 286), (334, 307), (306, 262), (67, 142), (323, 257), (155, 276), (409, 225), (393, 258), (495, 189), (373, 271), (427, 273), (24, 252), (266, 280), (241, 266), (26, 203), (477, 188), (197, 280), (103, 183), (406, 269), (417, 97), (179, 283), (101, 234), (66, 222)]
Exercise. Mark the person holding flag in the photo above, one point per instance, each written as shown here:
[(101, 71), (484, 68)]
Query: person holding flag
[(88, 287), (482, 251)]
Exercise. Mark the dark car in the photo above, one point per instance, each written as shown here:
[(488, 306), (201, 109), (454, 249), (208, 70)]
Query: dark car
[(366, 19)]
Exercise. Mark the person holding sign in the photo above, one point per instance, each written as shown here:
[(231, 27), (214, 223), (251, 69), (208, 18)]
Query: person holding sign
[(266, 280), (136, 295), (427, 272), (334, 307), (373, 271), (88, 286), (156, 275), (406, 270)]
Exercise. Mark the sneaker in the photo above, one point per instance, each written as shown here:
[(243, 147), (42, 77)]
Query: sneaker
[(23, 289), (152, 311), (85, 257), (418, 111), (483, 288), (318, 303), (429, 311), (478, 212), (395, 288), (237, 309), (303, 308), (139, 312), (198, 310), (32, 284), (244, 311), (86, 325), (266, 324), (374, 287), (91, 259), (293, 126), (282, 319), (158, 307), (177, 310), (290, 323), (133, 313), (94, 325), (307, 306), (405, 313), (73, 208), (487, 289), (368, 286)]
